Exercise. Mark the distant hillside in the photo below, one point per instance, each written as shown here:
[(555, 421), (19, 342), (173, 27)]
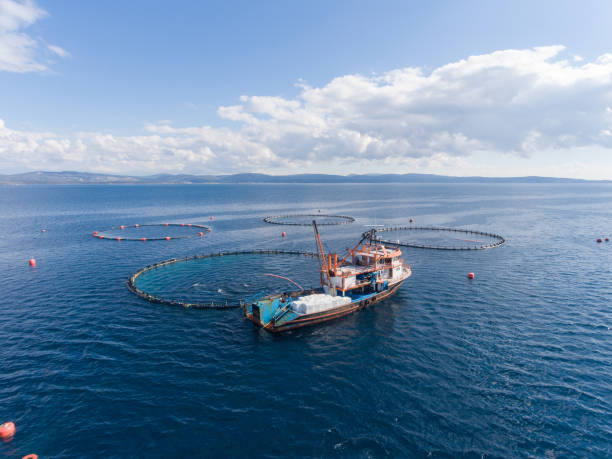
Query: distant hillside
[(70, 178)]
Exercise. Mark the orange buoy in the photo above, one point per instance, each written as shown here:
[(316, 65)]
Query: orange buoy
[(283, 234), (165, 224), (95, 233), (143, 239), (471, 276), (599, 240), (32, 262), (7, 430), (136, 225), (168, 238), (182, 224), (30, 456), (119, 239)]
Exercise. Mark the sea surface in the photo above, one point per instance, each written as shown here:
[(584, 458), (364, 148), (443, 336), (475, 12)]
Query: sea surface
[(515, 363)]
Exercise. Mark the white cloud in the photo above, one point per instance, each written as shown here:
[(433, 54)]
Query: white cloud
[(61, 52), (19, 52), (507, 104)]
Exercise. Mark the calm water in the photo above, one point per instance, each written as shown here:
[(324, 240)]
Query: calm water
[(517, 362)]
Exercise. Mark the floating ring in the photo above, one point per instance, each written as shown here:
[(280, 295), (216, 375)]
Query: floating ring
[(340, 219), (206, 229), (497, 239), (131, 282)]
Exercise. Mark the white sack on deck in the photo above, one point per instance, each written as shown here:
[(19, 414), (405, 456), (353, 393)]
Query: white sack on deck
[(318, 302)]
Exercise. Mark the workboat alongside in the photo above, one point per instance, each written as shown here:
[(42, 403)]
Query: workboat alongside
[(373, 273)]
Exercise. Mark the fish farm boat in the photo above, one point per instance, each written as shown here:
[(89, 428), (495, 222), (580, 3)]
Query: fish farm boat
[(373, 274)]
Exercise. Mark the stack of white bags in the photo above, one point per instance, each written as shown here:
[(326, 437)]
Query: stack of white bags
[(318, 302)]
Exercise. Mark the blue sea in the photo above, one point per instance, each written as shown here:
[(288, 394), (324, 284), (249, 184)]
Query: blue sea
[(514, 363)]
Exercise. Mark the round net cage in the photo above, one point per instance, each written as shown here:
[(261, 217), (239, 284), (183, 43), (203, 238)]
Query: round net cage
[(306, 219), (153, 232), (224, 279), (436, 237)]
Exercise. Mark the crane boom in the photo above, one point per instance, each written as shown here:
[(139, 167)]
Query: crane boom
[(322, 259)]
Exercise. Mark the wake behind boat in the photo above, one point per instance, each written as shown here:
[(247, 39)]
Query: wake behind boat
[(373, 274)]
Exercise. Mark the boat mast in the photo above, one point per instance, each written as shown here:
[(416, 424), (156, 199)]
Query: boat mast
[(322, 259)]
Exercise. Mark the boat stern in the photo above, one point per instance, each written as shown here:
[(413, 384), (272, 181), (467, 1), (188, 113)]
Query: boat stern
[(269, 312)]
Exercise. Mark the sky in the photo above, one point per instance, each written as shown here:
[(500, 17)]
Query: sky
[(215, 87)]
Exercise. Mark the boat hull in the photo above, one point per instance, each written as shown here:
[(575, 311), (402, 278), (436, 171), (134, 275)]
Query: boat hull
[(319, 317)]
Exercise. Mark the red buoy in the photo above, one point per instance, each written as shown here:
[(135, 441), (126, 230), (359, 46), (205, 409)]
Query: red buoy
[(599, 240), (44, 231), (165, 224), (136, 225), (284, 234), (168, 238), (212, 218), (119, 239), (7, 430), (471, 276), (95, 233), (182, 224), (32, 262), (143, 239)]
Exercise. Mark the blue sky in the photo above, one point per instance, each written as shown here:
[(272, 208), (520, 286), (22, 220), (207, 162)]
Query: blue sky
[(459, 88)]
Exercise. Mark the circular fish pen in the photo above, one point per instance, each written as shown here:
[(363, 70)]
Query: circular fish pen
[(436, 237), (152, 232), (223, 280), (306, 219)]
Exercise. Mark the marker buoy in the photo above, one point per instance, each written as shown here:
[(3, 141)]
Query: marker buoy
[(32, 262), (471, 276), (182, 224), (168, 238), (118, 239), (136, 225), (30, 456), (7, 430), (43, 231), (165, 224), (283, 234), (143, 239), (599, 240)]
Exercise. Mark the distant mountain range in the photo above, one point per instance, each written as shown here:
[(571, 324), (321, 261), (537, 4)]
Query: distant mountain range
[(74, 178)]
